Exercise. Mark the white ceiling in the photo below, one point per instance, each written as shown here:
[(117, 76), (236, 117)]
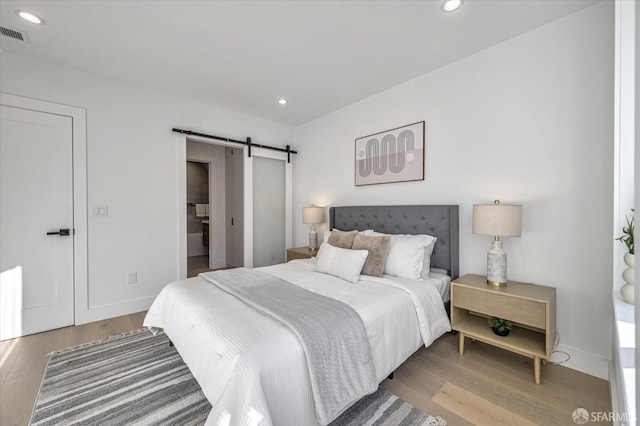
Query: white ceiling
[(244, 55)]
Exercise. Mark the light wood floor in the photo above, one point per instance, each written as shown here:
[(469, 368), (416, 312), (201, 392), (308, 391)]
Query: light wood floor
[(485, 386), (490, 386), (23, 360), (197, 264)]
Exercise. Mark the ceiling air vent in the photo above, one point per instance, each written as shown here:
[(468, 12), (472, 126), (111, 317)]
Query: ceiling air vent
[(15, 34)]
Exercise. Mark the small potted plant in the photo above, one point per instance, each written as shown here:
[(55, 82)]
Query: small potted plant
[(627, 233), (500, 326), (628, 275)]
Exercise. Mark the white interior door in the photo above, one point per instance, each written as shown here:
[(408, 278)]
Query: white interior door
[(268, 211), (270, 208), (36, 197)]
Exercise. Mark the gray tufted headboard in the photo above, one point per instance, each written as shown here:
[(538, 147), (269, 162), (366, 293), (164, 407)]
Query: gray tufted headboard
[(439, 221)]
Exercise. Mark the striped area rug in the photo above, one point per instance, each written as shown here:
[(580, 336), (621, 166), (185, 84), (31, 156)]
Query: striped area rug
[(137, 378)]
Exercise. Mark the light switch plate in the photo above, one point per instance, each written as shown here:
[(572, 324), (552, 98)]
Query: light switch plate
[(100, 210)]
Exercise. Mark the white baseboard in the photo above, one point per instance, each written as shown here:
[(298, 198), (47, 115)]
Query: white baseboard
[(98, 313), (582, 361)]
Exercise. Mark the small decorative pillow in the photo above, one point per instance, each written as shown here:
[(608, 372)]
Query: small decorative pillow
[(342, 239), (342, 263), (327, 233), (378, 247)]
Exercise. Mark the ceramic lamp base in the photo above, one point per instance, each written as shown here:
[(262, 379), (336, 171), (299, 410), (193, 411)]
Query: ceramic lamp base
[(497, 265), (313, 241)]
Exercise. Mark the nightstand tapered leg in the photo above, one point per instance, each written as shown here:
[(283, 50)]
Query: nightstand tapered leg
[(461, 343), (536, 369)]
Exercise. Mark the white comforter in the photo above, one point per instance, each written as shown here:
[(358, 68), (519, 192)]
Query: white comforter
[(252, 368)]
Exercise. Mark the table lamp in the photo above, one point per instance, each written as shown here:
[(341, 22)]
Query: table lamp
[(313, 215), (499, 220)]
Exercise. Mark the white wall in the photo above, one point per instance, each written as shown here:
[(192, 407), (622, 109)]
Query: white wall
[(132, 168), (528, 121)]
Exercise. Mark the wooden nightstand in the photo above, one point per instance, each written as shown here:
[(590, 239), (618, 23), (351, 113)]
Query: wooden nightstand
[(531, 308), (300, 253)]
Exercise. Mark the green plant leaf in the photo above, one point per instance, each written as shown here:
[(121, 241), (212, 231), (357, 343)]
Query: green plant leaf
[(628, 232)]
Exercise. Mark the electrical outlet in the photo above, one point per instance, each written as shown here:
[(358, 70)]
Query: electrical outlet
[(132, 277)]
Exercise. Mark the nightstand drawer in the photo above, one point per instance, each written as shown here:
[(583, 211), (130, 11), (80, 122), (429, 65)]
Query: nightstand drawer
[(523, 311)]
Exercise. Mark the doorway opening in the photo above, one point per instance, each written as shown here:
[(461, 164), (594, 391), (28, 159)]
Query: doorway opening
[(197, 217), (242, 195), (214, 208)]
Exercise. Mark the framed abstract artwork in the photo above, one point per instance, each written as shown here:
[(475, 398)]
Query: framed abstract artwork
[(395, 155)]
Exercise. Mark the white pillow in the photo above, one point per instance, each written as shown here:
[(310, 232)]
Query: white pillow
[(325, 237), (426, 263), (407, 255), (342, 263)]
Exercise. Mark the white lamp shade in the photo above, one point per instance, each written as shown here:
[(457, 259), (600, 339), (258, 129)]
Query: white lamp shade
[(313, 214), (501, 220)]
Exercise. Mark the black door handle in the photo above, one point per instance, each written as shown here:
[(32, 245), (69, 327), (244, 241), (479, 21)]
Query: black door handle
[(63, 232)]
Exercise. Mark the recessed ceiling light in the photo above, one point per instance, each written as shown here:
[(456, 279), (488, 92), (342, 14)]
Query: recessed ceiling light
[(29, 17), (283, 101), (451, 5)]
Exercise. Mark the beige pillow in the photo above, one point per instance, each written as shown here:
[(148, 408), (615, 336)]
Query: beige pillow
[(342, 239), (378, 248)]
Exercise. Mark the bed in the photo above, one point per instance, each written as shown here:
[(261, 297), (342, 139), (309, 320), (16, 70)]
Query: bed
[(254, 367)]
